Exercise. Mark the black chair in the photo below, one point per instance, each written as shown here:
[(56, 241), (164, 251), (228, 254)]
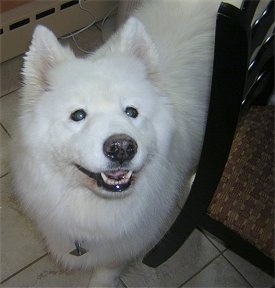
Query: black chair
[(242, 82)]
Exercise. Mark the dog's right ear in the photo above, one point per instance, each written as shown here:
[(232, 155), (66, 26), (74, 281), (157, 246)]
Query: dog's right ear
[(134, 40), (45, 53)]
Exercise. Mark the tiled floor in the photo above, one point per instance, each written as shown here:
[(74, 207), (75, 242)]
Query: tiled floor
[(201, 262)]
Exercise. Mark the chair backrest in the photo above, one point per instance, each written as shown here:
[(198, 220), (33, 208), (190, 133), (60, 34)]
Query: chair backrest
[(260, 76), (239, 76)]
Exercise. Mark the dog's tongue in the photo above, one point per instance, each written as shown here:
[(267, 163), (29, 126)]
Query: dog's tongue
[(116, 175), (115, 181)]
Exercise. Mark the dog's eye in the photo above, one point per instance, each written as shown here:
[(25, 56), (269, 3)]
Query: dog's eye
[(78, 115), (131, 112)]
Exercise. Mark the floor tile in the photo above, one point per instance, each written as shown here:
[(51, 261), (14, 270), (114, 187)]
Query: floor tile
[(9, 110), (255, 276), (215, 241), (218, 274), (4, 151), (20, 242), (10, 75), (192, 256), (45, 273)]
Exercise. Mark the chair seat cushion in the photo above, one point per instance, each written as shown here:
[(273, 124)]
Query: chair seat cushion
[(244, 199)]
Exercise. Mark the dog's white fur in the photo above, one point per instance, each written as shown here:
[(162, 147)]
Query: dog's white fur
[(159, 62)]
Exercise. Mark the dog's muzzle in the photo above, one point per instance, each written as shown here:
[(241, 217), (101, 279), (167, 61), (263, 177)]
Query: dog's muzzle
[(119, 149)]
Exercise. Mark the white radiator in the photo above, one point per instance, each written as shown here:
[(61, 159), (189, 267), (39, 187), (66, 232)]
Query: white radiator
[(62, 17)]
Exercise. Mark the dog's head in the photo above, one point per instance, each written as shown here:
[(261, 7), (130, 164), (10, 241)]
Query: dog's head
[(101, 120)]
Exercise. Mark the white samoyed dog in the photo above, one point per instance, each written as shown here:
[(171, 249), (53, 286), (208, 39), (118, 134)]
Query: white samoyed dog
[(104, 144)]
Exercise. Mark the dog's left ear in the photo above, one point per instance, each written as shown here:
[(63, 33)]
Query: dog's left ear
[(135, 40)]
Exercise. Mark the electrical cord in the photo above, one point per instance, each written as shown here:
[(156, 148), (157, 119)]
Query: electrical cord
[(73, 35)]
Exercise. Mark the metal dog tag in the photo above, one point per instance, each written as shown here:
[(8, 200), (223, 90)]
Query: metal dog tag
[(79, 251)]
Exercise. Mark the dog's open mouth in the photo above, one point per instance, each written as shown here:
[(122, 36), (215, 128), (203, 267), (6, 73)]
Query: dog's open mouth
[(114, 181)]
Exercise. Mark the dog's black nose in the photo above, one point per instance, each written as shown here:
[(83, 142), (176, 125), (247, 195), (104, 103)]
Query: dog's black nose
[(120, 148)]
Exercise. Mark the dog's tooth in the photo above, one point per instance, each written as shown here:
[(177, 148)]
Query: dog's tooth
[(128, 175), (110, 181), (104, 177)]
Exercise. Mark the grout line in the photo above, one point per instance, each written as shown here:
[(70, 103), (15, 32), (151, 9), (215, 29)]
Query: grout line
[(22, 269), (211, 240), (12, 91), (5, 130), (232, 264), (200, 270), (122, 282), (5, 174)]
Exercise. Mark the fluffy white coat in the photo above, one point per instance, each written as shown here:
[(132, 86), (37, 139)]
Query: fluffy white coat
[(159, 62)]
